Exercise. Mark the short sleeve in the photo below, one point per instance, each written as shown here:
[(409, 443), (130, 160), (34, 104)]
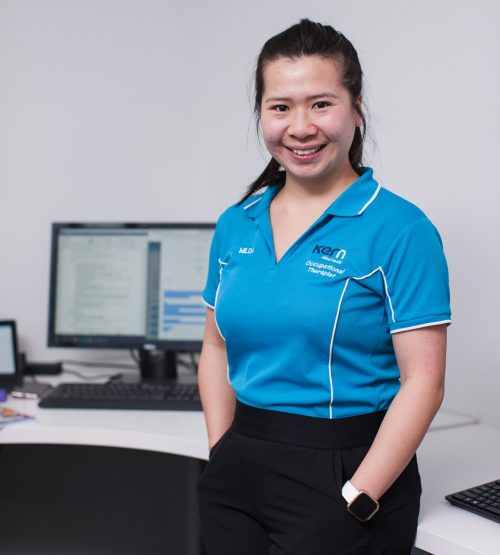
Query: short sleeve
[(213, 275), (416, 279)]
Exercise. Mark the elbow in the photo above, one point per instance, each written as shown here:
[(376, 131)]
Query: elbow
[(430, 392), (441, 393), (439, 397)]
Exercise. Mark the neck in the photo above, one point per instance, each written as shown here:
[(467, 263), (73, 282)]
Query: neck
[(316, 192)]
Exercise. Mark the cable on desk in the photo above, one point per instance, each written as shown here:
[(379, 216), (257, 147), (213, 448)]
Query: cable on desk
[(93, 364), (135, 357), (30, 378), (110, 377), (194, 362), (87, 378)]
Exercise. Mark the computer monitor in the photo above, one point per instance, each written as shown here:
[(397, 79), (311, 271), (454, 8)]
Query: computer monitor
[(130, 286)]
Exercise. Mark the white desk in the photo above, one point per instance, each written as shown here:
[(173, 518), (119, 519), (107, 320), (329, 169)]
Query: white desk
[(456, 454), (179, 433), (450, 460), (174, 432)]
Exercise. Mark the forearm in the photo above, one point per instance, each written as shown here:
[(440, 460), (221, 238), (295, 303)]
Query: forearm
[(421, 356), (401, 432), (217, 396)]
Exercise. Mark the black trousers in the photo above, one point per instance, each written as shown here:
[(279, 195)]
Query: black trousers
[(273, 486)]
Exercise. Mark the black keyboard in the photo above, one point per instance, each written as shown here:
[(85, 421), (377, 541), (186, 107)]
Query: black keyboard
[(118, 395), (483, 500)]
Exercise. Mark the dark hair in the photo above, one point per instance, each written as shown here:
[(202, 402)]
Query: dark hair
[(308, 38)]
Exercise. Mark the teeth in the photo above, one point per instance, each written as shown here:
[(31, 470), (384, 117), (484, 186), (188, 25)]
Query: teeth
[(308, 151)]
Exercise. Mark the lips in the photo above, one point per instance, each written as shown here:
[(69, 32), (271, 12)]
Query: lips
[(306, 153)]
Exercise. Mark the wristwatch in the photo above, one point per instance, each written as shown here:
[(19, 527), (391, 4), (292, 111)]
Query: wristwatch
[(361, 505)]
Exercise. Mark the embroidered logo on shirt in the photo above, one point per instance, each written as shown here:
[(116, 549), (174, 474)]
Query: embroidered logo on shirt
[(246, 250), (330, 251), (327, 270), (332, 256)]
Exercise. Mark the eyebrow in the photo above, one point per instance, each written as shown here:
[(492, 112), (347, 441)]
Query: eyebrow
[(312, 97)]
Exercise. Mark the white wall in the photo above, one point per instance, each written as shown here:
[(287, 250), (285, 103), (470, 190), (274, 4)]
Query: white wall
[(140, 110)]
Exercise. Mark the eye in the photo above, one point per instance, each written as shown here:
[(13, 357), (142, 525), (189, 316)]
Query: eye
[(321, 104), (280, 108)]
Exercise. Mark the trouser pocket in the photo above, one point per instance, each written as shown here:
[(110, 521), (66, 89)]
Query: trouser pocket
[(219, 443), (345, 463)]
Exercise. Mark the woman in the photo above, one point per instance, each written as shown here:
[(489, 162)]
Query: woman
[(324, 352)]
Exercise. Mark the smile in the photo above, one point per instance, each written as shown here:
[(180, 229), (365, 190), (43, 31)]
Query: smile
[(306, 151)]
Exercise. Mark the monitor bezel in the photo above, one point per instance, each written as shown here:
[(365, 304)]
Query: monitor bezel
[(8, 381), (112, 341)]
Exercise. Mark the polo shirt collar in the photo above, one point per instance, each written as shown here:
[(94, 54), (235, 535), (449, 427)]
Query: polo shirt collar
[(352, 202), (357, 197), (258, 204)]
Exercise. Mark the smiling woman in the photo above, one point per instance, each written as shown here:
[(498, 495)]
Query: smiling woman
[(324, 351), (310, 40), (308, 122)]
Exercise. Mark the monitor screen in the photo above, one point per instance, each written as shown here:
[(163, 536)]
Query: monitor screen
[(130, 286)]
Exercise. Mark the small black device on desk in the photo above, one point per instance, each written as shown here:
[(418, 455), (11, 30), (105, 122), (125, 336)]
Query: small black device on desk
[(483, 500), (10, 367), (30, 390), (122, 395)]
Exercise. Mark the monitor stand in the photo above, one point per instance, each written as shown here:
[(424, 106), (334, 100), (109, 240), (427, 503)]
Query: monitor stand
[(157, 365)]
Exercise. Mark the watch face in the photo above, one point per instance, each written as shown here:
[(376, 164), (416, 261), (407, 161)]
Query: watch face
[(363, 507)]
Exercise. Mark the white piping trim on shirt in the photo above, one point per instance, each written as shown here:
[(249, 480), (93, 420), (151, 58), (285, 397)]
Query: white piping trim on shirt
[(330, 368), (208, 304), (222, 264), (374, 196), (387, 294), (252, 203), (215, 317), (366, 275), (386, 289), (422, 326), (330, 373)]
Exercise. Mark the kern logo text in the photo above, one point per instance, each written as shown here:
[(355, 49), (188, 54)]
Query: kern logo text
[(326, 250)]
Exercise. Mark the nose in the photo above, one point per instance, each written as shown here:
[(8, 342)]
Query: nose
[(301, 125)]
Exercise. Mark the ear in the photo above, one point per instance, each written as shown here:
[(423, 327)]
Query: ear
[(359, 108)]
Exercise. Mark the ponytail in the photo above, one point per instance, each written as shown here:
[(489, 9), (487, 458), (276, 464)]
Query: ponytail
[(270, 176)]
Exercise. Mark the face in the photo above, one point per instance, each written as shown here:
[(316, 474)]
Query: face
[(308, 119)]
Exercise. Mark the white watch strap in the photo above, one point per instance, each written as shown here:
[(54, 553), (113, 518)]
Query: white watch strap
[(349, 492)]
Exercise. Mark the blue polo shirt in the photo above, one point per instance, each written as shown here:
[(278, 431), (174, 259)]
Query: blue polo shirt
[(311, 334)]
